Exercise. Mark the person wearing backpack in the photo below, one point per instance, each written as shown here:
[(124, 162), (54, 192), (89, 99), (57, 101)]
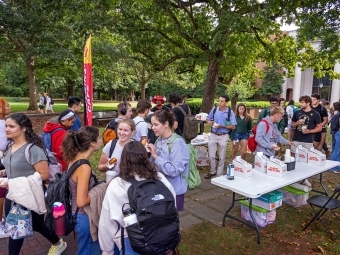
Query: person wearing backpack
[(176, 102), (138, 173), (222, 120), (20, 132), (268, 138), (143, 108), (56, 133), (74, 104), (79, 147), (173, 163), (114, 148)]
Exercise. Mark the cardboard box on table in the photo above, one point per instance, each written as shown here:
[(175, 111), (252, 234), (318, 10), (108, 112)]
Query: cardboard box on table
[(260, 162), (316, 157), (242, 168), (276, 168), (269, 201), (303, 154)]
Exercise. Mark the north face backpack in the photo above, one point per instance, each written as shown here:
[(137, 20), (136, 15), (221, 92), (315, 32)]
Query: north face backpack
[(53, 166), (59, 191), (251, 140), (190, 125), (47, 138), (157, 230), (193, 179), (110, 132)]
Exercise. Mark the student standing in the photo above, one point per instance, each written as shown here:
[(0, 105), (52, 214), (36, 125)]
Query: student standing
[(74, 104), (267, 134), (240, 134), (218, 119), (20, 131), (170, 155), (143, 108), (80, 146)]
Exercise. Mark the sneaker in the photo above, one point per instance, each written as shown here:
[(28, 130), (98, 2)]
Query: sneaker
[(58, 249), (208, 176)]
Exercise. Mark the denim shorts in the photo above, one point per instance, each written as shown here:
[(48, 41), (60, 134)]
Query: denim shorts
[(241, 136)]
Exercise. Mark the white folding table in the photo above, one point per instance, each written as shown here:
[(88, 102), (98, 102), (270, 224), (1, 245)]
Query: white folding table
[(261, 183)]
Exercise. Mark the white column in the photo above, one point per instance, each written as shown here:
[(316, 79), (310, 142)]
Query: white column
[(335, 96), (297, 84)]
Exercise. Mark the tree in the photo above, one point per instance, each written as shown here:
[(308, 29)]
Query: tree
[(272, 80)]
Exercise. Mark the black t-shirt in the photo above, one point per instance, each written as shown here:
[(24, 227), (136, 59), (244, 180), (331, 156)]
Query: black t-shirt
[(312, 118), (322, 111), (153, 109), (180, 117)]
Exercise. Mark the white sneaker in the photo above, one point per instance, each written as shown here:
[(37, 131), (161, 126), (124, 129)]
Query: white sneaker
[(307, 183), (57, 249)]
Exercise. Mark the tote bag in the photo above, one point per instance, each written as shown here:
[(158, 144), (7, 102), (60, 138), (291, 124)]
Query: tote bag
[(18, 222)]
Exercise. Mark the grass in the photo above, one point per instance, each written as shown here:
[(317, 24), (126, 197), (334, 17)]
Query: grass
[(61, 104)]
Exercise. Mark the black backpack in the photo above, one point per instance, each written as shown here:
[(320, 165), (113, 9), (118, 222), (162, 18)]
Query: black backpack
[(157, 231), (335, 122), (59, 191)]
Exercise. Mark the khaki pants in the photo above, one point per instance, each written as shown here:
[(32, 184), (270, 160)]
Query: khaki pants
[(220, 142)]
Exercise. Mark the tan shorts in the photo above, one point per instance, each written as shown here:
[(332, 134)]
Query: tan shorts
[(296, 144)]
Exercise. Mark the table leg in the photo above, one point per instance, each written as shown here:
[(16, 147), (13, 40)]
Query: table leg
[(244, 222)]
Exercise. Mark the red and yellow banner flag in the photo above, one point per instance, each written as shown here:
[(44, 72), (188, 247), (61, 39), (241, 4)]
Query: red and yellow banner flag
[(87, 82)]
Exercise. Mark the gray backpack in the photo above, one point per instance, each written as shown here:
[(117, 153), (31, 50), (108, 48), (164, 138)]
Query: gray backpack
[(190, 125), (53, 166)]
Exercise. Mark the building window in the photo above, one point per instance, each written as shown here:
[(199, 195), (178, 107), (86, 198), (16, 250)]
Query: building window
[(325, 89)]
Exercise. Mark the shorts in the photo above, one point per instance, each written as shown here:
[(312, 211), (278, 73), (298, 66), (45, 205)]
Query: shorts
[(241, 136), (296, 144), (41, 106)]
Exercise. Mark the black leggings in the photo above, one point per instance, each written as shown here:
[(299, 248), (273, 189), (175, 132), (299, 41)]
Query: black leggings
[(14, 246)]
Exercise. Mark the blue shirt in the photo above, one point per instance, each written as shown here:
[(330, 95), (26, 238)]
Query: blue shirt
[(221, 117), (76, 124)]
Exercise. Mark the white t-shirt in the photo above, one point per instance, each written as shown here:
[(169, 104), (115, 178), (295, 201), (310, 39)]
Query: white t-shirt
[(141, 128), (117, 153)]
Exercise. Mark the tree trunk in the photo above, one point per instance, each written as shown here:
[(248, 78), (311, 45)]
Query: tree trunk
[(210, 85), (33, 106), (142, 94)]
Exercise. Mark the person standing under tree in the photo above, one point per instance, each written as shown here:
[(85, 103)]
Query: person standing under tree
[(221, 125), (240, 134)]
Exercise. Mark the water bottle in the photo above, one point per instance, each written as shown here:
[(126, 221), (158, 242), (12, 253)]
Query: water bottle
[(129, 217), (297, 156), (59, 218), (231, 172)]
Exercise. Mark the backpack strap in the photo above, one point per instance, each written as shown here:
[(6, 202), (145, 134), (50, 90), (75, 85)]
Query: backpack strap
[(113, 146)]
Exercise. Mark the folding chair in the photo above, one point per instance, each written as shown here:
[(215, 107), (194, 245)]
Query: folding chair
[(325, 203)]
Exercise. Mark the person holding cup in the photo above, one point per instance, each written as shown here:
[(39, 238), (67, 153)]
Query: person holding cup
[(307, 122), (125, 131), (268, 135)]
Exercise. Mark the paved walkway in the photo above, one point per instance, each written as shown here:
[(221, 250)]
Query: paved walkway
[(206, 203)]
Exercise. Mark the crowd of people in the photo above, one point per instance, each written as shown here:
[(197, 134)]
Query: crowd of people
[(163, 158)]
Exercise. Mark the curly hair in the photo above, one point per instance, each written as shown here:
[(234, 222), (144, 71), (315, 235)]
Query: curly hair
[(164, 116), (134, 160), (75, 142), (24, 122)]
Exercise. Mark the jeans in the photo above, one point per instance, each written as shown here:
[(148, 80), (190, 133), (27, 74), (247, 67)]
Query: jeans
[(128, 249), (336, 151), (84, 240)]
